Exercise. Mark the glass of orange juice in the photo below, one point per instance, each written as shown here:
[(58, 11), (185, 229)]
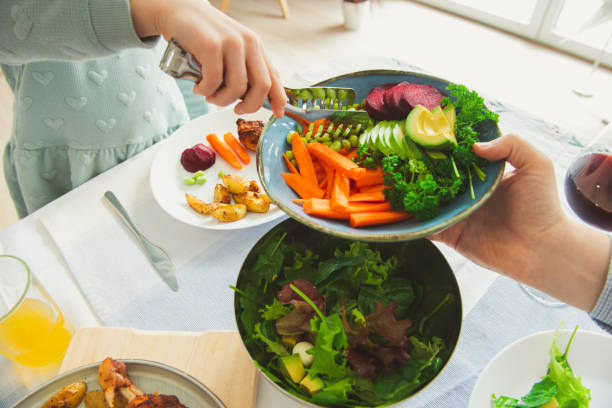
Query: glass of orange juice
[(33, 330)]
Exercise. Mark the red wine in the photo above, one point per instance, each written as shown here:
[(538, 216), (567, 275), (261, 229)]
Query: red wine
[(588, 188)]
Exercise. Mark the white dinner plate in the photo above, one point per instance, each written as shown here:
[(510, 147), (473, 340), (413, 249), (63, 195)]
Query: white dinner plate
[(149, 376), (167, 172), (515, 369)]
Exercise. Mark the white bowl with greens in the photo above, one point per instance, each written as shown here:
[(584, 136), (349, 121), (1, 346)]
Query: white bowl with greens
[(336, 322), (562, 368)]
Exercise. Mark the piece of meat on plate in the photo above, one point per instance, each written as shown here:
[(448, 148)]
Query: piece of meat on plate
[(249, 132), (156, 401)]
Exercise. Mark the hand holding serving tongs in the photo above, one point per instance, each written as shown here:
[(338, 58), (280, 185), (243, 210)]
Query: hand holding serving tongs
[(312, 103)]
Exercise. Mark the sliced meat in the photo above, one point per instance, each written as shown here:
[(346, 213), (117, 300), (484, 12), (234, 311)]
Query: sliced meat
[(417, 94), (374, 103), (392, 98)]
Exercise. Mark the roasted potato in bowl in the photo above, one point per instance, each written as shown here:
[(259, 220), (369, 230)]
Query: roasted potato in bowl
[(69, 396)]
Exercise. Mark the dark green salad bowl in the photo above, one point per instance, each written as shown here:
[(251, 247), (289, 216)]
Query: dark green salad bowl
[(270, 166), (376, 322)]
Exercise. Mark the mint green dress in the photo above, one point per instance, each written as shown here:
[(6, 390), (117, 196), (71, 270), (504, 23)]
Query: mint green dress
[(88, 94)]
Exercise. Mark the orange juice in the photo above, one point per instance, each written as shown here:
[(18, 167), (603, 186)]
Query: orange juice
[(35, 334)]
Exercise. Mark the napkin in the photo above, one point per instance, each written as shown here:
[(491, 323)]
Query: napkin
[(105, 259)]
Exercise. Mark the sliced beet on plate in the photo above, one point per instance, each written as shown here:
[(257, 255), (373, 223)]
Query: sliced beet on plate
[(417, 94), (375, 104), (392, 98)]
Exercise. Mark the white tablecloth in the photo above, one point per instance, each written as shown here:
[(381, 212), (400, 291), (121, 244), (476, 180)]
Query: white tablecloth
[(76, 246)]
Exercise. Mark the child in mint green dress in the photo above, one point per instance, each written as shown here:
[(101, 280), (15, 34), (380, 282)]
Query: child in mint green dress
[(88, 90)]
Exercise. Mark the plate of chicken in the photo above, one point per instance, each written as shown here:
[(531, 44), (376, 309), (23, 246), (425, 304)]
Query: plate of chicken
[(205, 173), (122, 384)]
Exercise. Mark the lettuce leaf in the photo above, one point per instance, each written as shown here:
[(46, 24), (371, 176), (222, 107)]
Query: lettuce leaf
[(559, 383)]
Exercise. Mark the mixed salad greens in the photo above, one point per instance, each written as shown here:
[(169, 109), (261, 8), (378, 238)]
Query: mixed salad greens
[(426, 178), (346, 323), (559, 388)]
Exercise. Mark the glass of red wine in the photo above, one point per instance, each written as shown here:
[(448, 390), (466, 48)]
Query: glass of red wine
[(588, 182), (588, 189)]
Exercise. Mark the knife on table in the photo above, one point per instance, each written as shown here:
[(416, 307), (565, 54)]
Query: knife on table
[(158, 257)]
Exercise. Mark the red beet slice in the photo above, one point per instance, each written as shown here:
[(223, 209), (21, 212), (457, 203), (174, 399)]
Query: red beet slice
[(392, 98), (416, 94), (375, 105), (198, 157)]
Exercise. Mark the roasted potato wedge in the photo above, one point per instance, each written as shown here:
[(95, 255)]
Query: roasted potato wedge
[(256, 202), (221, 194), (95, 399), (69, 396), (197, 204), (239, 198), (253, 186), (228, 212), (236, 184)]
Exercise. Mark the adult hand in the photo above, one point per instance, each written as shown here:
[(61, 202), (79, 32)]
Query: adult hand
[(522, 231), (232, 57)]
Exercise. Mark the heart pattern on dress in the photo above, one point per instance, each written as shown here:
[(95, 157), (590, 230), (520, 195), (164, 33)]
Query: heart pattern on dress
[(97, 77), (143, 71), (32, 146), (26, 158), (26, 102), (106, 125), (43, 78), (23, 22), (76, 103), (127, 98), (54, 124)]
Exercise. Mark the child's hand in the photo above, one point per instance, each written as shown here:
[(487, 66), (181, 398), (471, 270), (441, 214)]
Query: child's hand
[(231, 55)]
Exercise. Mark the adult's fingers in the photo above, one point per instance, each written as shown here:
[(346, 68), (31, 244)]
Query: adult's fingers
[(512, 148), (210, 56), (277, 95), (258, 78), (235, 72)]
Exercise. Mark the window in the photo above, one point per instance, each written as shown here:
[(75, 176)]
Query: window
[(580, 27)]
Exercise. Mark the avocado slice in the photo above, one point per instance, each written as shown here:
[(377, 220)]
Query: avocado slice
[(292, 367), (311, 384), (451, 116), (382, 141), (429, 129), (397, 137)]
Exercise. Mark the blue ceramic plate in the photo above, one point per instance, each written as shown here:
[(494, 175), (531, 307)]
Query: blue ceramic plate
[(270, 165)]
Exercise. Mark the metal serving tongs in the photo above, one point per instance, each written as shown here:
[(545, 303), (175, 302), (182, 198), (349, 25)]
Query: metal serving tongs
[(313, 103)]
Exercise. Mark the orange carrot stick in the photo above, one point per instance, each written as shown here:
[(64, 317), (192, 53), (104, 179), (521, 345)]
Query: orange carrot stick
[(323, 183), (330, 179), (303, 159), (351, 154), (373, 196), (303, 122), (302, 187), (235, 145), (373, 188), (321, 208), (334, 159), (375, 218), (371, 177), (223, 150), (360, 207), (290, 165), (340, 193)]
